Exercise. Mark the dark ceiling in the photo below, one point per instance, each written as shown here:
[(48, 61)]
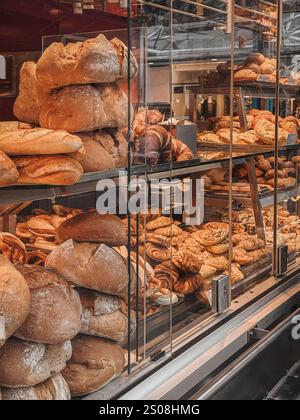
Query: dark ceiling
[(23, 23)]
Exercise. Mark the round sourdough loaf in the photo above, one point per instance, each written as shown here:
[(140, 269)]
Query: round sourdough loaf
[(85, 108), (93, 266), (55, 312), (104, 150), (105, 316), (94, 363), (93, 227), (31, 96), (95, 60), (54, 389), (24, 364), (14, 299)]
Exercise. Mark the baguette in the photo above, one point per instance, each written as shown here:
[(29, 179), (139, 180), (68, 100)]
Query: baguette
[(93, 61), (55, 312), (24, 364), (93, 227), (14, 299), (93, 266), (38, 141), (14, 126), (49, 170), (8, 170), (85, 108)]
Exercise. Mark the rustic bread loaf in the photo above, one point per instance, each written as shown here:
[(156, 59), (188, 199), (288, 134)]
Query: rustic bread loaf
[(93, 266), (55, 312), (94, 363), (85, 108), (93, 227), (104, 150), (24, 364), (14, 126), (49, 170), (54, 389), (93, 61), (8, 171), (38, 141), (105, 316), (14, 299), (31, 96)]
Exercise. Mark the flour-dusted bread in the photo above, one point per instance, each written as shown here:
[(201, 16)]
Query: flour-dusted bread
[(105, 316), (95, 60), (38, 141), (8, 171), (24, 364), (93, 266), (14, 299), (55, 311), (31, 96), (54, 389), (85, 108), (104, 150), (48, 170), (93, 227), (95, 362)]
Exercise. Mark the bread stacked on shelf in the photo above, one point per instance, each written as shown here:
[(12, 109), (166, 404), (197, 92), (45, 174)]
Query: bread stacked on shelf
[(72, 110), (40, 314), (256, 68), (87, 259), (153, 144)]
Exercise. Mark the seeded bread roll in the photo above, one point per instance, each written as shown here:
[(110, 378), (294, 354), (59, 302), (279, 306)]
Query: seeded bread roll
[(95, 362), (24, 364)]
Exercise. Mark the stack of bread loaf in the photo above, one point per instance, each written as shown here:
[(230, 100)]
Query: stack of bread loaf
[(86, 258), (72, 109)]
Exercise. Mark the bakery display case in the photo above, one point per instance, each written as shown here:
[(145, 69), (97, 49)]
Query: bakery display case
[(149, 199)]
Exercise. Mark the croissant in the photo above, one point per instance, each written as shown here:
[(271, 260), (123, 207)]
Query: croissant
[(144, 118), (148, 147), (180, 151)]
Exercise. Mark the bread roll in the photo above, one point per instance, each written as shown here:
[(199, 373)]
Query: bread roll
[(14, 299), (38, 141), (24, 364), (105, 316), (55, 311), (8, 171), (93, 61), (85, 108), (95, 362), (93, 266), (31, 96), (49, 170), (14, 126), (54, 389), (104, 150), (93, 227)]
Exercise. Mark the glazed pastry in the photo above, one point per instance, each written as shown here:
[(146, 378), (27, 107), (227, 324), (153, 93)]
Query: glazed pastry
[(167, 272), (265, 131), (220, 263), (207, 271), (241, 256), (210, 237), (236, 273), (172, 230), (159, 254), (219, 249), (186, 262), (189, 284), (160, 222)]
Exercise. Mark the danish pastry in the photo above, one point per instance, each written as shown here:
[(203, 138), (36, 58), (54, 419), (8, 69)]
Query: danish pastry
[(159, 254), (219, 249), (160, 222), (186, 262), (265, 131), (207, 271), (172, 230), (220, 263), (168, 272), (210, 237)]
